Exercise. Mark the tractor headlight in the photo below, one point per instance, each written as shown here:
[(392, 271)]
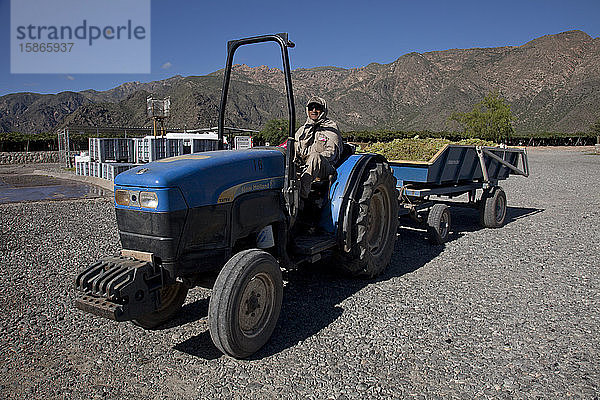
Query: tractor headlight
[(148, 200), (134, 198), (122, 197)]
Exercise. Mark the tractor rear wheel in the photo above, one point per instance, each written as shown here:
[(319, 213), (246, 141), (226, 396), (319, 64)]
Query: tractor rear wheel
[(172, 298), (374, 229), (245, 303)]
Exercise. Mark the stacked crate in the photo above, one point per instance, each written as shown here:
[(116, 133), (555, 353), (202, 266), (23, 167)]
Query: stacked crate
[(94, 148), (124, 150), (153, 148), (106, 171), (111, 149), (95, 169), (140, 150), (82, 168), (174, 147), (111, 170), (199, 145), (108, 157)]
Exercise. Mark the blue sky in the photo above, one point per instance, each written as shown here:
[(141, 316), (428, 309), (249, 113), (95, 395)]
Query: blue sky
[(189, 37)]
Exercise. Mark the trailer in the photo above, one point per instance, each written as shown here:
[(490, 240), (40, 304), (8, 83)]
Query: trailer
[(427, 188)]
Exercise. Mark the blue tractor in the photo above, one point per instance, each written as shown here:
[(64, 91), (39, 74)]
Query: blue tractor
[(231, 220)]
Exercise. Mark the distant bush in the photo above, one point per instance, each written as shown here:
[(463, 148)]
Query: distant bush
[(274, 132), (15, 141), (552, 135)]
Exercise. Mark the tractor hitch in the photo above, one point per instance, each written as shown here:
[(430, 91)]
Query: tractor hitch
[(119, 288)]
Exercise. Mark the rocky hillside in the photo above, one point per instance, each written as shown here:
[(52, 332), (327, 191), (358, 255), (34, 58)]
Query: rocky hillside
[(552, 84)]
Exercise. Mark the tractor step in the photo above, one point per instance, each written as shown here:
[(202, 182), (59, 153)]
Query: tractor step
[(311, 245)]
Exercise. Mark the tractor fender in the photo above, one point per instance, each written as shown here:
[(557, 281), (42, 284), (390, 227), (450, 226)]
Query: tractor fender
[(343, 195)]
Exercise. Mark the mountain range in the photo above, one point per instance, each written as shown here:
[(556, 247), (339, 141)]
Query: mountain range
[(552, 84)]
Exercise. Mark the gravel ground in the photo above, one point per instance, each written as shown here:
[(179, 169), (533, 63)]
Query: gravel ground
[(504, 313)]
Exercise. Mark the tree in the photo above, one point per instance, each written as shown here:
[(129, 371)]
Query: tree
[(275, 132), (490, 119)]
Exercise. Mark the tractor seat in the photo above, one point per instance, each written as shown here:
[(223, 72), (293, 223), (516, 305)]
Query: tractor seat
[(319, 189), (347, 151)]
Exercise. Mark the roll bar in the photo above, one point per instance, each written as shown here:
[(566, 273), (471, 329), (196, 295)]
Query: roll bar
[(232, 46), (290, 189)]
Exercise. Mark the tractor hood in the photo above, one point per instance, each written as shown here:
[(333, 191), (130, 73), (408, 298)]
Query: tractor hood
[(212, 177)]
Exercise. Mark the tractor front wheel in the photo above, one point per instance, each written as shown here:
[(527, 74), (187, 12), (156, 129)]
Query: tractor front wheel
[(245, 303)]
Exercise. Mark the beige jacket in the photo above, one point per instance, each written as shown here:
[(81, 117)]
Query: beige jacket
[(321, 136)]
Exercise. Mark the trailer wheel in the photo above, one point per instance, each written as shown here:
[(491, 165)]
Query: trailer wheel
[(245, 303), (375, 227), (172, 298), (492, 212), (438, 223)]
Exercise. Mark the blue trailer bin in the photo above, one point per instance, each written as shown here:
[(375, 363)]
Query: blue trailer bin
[(459, 166)]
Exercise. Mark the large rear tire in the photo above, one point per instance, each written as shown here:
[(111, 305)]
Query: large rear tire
[(375, 227), (172, 298), (245, 303)]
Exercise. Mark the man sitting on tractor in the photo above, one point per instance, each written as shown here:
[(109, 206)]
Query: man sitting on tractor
[(318, 145)]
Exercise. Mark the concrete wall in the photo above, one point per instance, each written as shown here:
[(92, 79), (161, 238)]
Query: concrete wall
[(30, 157)]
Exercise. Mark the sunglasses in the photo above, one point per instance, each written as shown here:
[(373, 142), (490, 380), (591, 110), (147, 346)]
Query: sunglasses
[(315, 106)]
